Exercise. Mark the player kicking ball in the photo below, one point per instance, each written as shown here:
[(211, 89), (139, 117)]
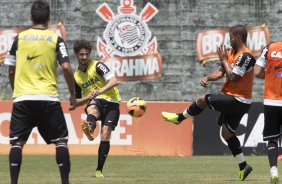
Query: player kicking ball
[(96, 87), (237, 66)]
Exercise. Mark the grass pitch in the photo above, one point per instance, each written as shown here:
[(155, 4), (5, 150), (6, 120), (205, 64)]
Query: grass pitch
[(139, 169)]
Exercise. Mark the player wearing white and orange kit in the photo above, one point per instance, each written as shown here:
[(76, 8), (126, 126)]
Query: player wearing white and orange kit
[(269, 68), (237, 65)]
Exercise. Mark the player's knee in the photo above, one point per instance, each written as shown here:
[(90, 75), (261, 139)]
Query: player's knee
[(89, 109), (93, 109), (201, 102)]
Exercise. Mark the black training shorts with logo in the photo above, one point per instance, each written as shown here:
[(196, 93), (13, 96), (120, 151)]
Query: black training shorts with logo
[(47, 116), (272, 122), (109, 111), (231, 109)]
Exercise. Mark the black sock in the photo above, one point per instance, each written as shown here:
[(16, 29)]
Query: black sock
[(242, 165), (192, 110), (235, 148), (92, 121), (180, 117), (103, 151), (234, 145), (272, 153), (63, 161), (15, 159)]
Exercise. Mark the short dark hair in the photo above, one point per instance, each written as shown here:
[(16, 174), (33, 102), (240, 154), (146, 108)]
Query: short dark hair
[(40, 12), (240, 30), (82, 44)]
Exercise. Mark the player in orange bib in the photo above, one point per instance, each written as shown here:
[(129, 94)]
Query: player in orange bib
[(237, 66), (269, 67)]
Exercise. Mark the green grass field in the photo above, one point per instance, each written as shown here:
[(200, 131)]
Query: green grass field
[(139, 169)]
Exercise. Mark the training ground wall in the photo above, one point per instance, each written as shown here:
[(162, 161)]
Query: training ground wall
[(150, 134), (175, 26)]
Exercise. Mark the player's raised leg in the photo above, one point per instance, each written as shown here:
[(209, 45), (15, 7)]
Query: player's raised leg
[(196, 108), (89, 125)]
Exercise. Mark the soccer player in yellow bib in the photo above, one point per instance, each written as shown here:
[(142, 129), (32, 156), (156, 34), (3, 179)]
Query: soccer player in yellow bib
[(33, 60), (95, 85)]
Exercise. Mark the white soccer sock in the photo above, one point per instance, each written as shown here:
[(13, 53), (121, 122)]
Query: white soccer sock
[(273, 171), (240, 158), (185, 114)]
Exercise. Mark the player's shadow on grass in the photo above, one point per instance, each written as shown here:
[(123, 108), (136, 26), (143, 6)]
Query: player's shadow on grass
[(256, 181)]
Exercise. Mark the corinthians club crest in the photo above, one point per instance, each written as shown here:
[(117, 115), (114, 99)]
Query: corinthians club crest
[(129, 48), (127, 35)]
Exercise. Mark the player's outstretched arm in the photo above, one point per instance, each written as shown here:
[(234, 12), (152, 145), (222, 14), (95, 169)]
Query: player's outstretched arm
[(217, 74), (112, 82), (83, 100)]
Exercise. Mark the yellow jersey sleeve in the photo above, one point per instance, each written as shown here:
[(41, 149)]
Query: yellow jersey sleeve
[(96, 77)]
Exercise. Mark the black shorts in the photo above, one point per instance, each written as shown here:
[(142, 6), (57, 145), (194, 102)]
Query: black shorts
[(272, 122), (231, 109), (47, 116), (109, 111)]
